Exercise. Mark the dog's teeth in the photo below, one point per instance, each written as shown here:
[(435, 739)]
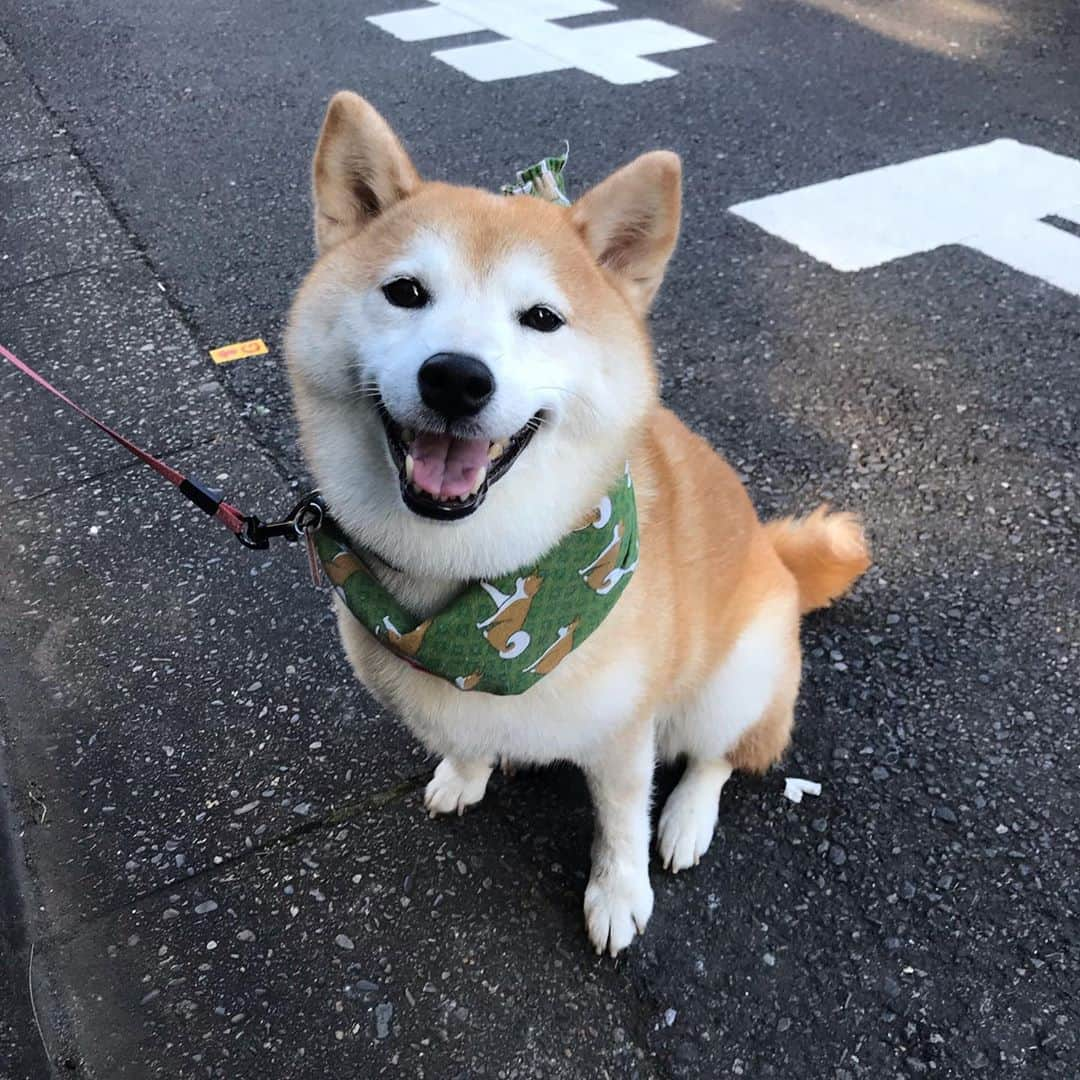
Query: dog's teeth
[(495, 451), (407, 435), (409, 466), (481, 474)]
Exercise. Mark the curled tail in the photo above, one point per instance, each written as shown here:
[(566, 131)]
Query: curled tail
[(826, 552)]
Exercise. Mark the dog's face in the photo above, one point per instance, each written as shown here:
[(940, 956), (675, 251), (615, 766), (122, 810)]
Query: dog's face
[(469, 369)]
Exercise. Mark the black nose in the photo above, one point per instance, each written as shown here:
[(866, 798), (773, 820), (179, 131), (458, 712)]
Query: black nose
[(454, 385)]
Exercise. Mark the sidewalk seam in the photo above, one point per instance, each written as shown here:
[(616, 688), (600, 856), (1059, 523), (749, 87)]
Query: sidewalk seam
[(6, 162), (89, 269)]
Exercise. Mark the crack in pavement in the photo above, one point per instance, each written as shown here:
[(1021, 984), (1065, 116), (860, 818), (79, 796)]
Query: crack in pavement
[(330, 820), (44, 279)]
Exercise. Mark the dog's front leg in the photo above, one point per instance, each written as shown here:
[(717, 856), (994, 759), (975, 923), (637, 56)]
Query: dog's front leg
[(458, 783), (619, 898)]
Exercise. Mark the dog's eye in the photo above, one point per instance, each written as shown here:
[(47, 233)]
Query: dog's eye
[(540, 318), (406, 292)]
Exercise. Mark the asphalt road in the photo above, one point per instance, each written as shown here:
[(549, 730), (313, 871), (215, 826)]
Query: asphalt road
[(213, 840)]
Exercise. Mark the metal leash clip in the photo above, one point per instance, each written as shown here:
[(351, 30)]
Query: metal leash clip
[(303, 520)]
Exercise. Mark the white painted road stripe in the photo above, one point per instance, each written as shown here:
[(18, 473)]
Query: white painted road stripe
[(989, 198), (1035, 248), (446, 19), (612, 51), (422, 24)]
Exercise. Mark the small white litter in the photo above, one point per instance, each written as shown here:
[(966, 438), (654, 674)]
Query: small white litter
[(795, 789)]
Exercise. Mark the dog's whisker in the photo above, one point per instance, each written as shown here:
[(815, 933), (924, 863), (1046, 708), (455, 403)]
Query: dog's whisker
[(365, 392)]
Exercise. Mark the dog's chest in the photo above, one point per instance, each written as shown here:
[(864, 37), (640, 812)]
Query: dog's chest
[(564, 716), (422, 596)]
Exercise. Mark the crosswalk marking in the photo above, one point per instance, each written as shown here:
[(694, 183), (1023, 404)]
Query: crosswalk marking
[(613, 51), (990, 198)]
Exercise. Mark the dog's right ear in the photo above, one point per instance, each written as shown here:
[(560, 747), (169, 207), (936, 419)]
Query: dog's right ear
[(360, 169)]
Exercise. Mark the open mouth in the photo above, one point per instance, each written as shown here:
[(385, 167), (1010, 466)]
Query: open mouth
[(446, 477)]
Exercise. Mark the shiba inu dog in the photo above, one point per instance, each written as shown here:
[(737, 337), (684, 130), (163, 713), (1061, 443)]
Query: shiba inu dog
[(471, 374)]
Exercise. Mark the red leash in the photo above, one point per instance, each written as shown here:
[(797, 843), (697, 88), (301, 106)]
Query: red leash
[(249, 530)]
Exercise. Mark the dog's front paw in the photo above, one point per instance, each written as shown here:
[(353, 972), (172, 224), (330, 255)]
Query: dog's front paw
[(455, 786), (617, 906)]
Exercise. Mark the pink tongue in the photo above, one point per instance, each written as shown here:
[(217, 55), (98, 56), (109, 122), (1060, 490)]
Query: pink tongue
[(446, 467)]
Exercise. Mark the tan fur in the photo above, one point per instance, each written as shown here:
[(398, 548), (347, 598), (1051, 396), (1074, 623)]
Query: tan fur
[(825, 551), (359, 169), (765, 743), (616, 219), (706, 564), (716, 595)]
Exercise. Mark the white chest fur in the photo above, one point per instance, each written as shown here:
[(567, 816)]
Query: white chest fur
[(562, 717)]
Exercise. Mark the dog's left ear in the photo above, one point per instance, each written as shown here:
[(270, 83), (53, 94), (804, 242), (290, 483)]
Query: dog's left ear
[(630, 222), (360, 170)]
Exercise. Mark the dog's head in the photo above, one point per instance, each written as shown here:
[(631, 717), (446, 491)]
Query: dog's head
[(469, 369)]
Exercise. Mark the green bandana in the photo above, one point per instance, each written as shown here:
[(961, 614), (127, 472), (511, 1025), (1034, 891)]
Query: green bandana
[(502, 636), (544, 179)]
